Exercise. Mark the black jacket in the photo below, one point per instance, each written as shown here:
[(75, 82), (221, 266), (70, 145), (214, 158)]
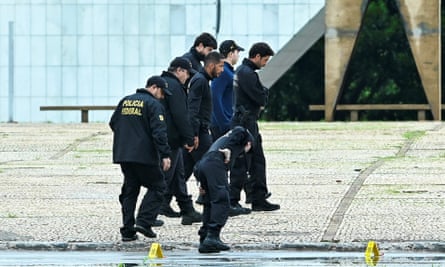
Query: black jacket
[(250, 94), (195, 58), (200, 101), (179, 129), (235, 140), (140, 132)]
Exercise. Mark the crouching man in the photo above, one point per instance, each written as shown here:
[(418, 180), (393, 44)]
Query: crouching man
[(212, 173)]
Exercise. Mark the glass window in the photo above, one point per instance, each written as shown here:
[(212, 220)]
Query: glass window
[(146, 24), (69, 19), (131, 78), (100, 17), (53, 82), (162, 48), (6, 15), (4, 81), (38, 81), (4, 50), (131, 22), (22, 83), (22, 50), (131, 48), (84, 19), (53, 19), (38, 53), (22, 111), (177, 19), (115, 19), (22, 19), (241, 13), (116, 53), (53, 50), (115, 86), (69, 81), (69, 50), (85, 50), (256, 18), (100, 81), (147, 50), (84, 78), (161, 16), (38, 20), (100, 50)]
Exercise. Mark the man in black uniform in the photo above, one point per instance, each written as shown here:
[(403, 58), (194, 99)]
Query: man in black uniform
[(211, 171), (180, 135), (140, 146), (200, 108), (204, 44), (250, 99)]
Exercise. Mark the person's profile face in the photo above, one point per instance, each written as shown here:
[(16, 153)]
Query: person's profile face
[(159, 93), (218, 69)]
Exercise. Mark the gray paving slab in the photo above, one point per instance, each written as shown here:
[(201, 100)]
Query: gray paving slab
[(339, 185)]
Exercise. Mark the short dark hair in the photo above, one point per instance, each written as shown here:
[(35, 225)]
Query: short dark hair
[(213, 57), (260, 48), (206, 39)]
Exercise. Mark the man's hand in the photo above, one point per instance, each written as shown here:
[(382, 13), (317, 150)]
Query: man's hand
[(166, 164), (196, 142), (226, 153), (189, 148)]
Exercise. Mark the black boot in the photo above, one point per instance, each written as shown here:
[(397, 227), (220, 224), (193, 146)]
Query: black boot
[(212, 244), (190, 217), (264, 205), (167, 211), (202, 235)]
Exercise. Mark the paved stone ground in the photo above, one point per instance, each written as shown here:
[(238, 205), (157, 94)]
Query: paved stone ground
[(339, 186)]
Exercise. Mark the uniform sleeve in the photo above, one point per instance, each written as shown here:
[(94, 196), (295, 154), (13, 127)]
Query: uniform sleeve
[(115, 116), (159, 129), (194, 103), (250, 83), (178, 109)]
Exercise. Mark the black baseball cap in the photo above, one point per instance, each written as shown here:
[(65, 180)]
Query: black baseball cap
[(182, 62), (159, 82), (229, 46)]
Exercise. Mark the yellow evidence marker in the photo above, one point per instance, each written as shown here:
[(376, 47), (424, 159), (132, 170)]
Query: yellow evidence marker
[(155, 251), (372, 254)]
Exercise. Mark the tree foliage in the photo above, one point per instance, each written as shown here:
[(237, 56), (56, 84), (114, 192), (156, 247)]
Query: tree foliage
[(382, 70)]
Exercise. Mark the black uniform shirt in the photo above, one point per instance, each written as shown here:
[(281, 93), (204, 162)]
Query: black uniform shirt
[(200, 101), (179, 129), (250, 94), (235, 140), (195, 58), (140, 131)]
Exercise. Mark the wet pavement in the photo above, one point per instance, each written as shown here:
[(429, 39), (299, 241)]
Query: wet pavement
[(190, 258), (339, 185)]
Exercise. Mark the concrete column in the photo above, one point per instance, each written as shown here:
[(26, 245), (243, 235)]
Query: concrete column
[(343, 20), (422, 23)]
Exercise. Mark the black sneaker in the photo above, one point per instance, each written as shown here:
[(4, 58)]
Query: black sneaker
[(169, 212), (191, 217), (129, 238), (146, 231), (264, 206), (237, 209)]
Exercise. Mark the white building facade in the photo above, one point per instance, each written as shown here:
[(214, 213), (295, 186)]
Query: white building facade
[(93, 52)]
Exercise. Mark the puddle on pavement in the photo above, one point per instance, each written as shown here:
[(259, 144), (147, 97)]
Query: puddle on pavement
[(233, 258)]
